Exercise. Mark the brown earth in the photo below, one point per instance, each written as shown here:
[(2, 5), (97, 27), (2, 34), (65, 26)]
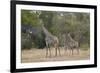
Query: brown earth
[(39, 55)]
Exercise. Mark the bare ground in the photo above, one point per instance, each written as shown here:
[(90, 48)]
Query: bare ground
[(39, 55)]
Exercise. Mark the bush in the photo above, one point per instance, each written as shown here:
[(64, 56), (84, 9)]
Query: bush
[(26, 42)]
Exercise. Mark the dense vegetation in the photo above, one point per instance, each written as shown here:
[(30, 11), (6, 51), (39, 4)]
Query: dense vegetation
[(58, 23)]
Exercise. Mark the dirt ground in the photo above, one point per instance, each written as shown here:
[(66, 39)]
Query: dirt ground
[(39, 55)]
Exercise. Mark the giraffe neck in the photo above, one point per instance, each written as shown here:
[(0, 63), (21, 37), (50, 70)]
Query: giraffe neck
[(71, 38), (47, 33)]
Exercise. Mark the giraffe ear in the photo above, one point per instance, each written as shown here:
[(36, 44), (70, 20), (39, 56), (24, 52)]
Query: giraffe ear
[(30, 31), (68, 34)]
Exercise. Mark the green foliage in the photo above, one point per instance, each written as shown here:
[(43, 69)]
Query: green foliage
[(26, 42), (29, 17), (57, 23), (85, 46), (47, 17), (39, 41)]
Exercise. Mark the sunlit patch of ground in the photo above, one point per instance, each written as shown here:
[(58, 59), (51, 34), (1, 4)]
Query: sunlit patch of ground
[(39, 55)]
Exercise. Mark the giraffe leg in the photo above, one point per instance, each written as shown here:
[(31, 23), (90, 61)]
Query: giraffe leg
[(46, 52), (56, 51), (59, 51), (78, 50), (49, 51), (72, 51), (66, 50)]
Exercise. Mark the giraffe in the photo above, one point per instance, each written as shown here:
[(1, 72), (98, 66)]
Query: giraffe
[(71, 44), (51, 40)]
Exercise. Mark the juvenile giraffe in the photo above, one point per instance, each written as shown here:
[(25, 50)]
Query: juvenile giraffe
[(71, 44)]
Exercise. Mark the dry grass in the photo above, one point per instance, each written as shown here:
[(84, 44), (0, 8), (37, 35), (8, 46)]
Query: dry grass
[(39, 55)]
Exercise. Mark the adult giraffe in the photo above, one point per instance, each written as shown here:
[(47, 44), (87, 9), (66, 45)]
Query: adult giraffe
[(51, 40)]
